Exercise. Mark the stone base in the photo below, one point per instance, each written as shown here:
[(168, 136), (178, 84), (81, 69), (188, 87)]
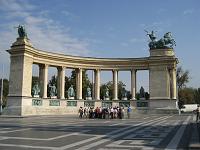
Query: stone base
[(36, 96), (124, 98), (71, 98), (88, 98), (107, 99), (53, 97), (28, 106), (162, 104)]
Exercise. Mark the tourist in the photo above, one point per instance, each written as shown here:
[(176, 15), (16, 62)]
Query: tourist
[(91, 115), (129, 112), (80, 112), (111, 113), (197, 113), (123, 112), (85, 112)]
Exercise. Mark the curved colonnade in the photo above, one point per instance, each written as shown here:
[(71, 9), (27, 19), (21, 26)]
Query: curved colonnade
[(161, 65)]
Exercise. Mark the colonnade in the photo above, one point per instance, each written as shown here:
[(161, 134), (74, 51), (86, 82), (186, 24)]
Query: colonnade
[(43, 77), (161, 64)]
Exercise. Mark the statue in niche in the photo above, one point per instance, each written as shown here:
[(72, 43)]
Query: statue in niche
[(70, 92), (35, 90), (53, 91), (107, 93), (124, 93), (89, 93), (21, 31), (142, 92)]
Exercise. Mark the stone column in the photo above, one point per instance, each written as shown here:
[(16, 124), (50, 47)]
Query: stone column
[(43, 76), (115, 85), (61, 82), (173, 83), (97, 84), (79, 83), (133, 83)]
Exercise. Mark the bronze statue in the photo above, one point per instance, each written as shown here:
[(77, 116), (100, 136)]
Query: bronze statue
[(166, 42), (21, 31)]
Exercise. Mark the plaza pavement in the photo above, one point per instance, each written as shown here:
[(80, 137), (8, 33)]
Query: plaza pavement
[(71, 133)]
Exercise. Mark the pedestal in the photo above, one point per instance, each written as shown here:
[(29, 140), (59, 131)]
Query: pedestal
[(88, 98)]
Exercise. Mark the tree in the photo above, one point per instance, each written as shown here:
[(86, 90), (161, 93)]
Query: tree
[(109, 85), (182, 77), (197, 95), (186, 95), (85, 82)]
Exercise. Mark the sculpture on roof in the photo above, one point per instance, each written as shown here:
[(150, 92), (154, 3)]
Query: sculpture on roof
[(166, 42), (21, 31)]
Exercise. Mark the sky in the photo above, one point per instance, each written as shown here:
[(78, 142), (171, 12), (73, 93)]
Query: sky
[(104, 28)]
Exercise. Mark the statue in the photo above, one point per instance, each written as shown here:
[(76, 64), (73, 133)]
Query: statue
[(22, 32), (124, 94), (35, 90), (142, 92), (151, 35), (107, 92), (53, 90), (166, 42), (89, 93), (70, 92)]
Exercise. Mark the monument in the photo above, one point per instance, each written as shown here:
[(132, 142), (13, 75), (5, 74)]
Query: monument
[(107, 96), (161, 64), (88, 94), (71, 93), (53, 91), (124, 94), (36, 90)]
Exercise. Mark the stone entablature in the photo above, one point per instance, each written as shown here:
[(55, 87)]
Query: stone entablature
[(164, 58)]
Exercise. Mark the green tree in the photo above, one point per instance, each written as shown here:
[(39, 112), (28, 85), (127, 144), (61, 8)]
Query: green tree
[(182, 78), (109, 85), (186, 95), (197, 95), (85, 82)]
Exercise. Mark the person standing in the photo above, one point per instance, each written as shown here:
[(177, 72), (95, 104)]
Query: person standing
[(80, 112), (129, 112), (197, 113)]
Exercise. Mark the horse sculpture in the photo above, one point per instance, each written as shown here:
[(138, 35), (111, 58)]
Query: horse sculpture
[(166, 42)]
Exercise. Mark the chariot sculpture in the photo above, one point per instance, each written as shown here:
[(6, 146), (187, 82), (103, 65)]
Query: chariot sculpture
[(164, 43)]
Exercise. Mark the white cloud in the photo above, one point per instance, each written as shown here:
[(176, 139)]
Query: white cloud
[(124, 44), (188, 12), (44, 32), (137, 40)]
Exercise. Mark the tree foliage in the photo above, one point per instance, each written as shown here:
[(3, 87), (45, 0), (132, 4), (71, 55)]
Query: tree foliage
[(182, 77), (186, 95), (72, 81), (197, 95), (109, 85)]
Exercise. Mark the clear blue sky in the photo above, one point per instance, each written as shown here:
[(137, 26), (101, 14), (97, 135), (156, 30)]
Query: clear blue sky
[(104, 28)]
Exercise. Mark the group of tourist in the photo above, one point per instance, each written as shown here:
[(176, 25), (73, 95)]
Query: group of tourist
[(104, 113)]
